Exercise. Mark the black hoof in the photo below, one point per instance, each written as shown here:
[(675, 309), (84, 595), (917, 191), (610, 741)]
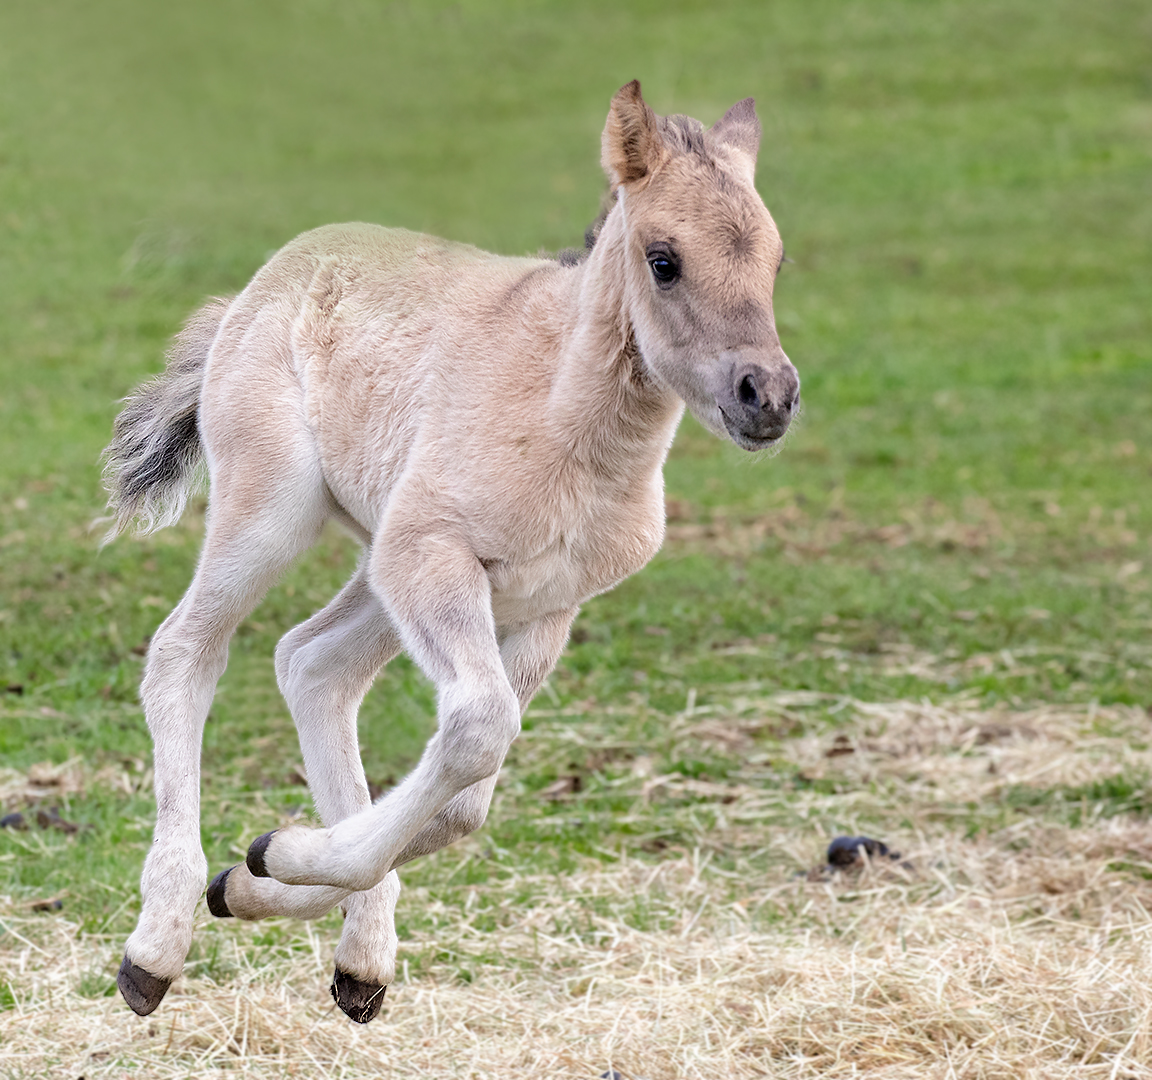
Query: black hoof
[(255, 859), (217, 904), (142, 991), (360, 1000)]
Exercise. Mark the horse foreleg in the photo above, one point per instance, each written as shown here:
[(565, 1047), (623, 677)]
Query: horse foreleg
[(528, 654), (526, 657), (437, 595)]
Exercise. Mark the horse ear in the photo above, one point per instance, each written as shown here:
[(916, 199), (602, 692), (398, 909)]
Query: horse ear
[(739, 129), (630, 147)]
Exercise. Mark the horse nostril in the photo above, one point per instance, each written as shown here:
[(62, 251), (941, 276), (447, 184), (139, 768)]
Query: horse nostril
[(746, 392)]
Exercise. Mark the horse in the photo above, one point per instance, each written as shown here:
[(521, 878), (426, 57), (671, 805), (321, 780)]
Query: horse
[(493, 431)]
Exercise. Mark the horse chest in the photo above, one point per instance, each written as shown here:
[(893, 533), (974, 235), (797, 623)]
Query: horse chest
[(573, 568)]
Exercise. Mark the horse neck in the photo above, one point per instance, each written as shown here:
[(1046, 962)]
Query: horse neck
[(605, 407)]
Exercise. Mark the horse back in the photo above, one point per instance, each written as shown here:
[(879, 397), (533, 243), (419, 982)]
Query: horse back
[(401, 343)]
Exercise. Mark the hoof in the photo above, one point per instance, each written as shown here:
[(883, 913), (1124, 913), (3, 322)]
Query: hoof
[(217, 904), (142, 991), (360, 1000), (255, 859)]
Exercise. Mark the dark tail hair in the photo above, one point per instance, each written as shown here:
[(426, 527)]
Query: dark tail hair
[(152, 462)]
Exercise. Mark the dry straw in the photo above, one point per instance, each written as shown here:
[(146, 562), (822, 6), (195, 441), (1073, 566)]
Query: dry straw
[(1023, 950)]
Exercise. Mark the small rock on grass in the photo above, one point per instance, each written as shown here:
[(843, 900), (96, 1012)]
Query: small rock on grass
[(845, 851), (848, 853)]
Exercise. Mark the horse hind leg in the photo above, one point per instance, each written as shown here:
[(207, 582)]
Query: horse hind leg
[(324, 667), (255, 530)]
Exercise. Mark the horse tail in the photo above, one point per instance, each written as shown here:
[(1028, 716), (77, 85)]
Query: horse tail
[(153, 462)]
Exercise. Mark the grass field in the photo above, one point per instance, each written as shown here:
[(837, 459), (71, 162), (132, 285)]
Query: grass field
[(926, 620)]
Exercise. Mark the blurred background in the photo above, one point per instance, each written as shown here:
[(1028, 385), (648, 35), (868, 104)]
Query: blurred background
[(964, 192)]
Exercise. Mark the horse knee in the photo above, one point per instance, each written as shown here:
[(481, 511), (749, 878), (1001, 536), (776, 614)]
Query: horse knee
[(476, 730), (286, 649), (307, 666)]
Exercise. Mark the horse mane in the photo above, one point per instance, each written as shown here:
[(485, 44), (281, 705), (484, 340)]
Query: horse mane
[(684, 135), (575, 256)]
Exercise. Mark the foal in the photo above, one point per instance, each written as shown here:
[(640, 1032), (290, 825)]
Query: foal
[(493, 430)]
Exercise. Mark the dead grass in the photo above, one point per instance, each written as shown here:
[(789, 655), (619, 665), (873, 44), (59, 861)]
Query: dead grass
[(1002, 945), (803, 533)]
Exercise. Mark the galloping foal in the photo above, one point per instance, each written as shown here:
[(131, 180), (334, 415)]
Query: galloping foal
[(493, 430)]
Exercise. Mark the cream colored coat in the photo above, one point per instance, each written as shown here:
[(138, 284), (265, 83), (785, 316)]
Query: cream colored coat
[(493, 430)]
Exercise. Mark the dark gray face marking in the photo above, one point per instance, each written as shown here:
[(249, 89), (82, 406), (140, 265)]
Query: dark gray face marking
[(741, 241), (748, 322), (759, 402), (741, 230)]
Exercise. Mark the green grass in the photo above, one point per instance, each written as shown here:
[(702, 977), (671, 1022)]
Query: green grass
[(963, 508)]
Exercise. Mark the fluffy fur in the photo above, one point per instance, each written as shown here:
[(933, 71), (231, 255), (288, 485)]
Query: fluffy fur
[(493, 430)]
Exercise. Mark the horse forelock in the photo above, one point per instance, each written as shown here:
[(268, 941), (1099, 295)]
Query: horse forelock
[(684, 135)]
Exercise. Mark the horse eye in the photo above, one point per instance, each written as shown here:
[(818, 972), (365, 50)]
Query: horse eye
[(664, 270)]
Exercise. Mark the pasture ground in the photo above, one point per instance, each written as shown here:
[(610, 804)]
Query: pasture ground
[(926, 620)]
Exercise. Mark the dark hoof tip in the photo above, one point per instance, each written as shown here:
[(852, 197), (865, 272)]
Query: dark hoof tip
[(255, 859), (217, 903), (360, 1000), (142, 991)]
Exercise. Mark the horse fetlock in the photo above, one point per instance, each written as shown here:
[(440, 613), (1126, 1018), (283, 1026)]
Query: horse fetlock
[(370, 958), (159, 944), (296, 856)]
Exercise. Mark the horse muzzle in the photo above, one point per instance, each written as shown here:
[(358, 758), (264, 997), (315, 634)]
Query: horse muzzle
[(758, 402)]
